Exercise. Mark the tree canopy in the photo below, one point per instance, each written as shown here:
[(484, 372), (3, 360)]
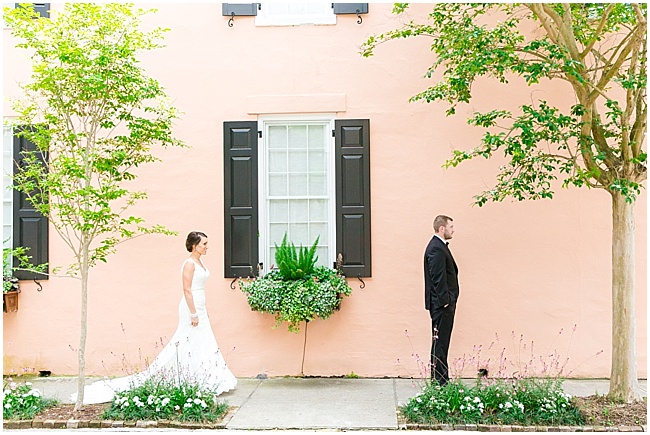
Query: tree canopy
[(598, 49)]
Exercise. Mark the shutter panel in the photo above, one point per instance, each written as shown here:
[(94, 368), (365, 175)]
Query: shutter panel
[(353, 196), (239, 9), (43, 9), (350, 8), (30, 227), (241, 253)]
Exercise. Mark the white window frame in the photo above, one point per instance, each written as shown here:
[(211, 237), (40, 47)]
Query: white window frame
[(264, 16), (263, 217)]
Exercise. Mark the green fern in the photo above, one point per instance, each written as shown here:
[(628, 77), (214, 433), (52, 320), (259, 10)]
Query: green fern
[(295, 263)]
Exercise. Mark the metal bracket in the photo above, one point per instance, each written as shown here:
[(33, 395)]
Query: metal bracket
[(363, 284), (231, 21), (360, 20), (40, 287)]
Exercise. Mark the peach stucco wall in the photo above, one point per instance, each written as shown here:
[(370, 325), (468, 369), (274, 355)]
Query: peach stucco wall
[(531, 269)]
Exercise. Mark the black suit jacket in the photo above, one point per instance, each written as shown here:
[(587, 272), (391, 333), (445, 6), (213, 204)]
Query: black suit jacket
[(440, 275)]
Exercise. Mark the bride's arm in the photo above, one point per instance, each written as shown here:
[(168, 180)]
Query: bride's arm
[(188, 274)]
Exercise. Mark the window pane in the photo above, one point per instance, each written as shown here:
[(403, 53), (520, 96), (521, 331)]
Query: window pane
[(277, 136), (318, 230), (317, 184), (323, 255), (277, 161), (298, 184), (318, 210), (277, 233), (317, 161), (7, 212), (316, 136), (297, 136), (279, 210), (298, 211), (298, 161), (277, 184), (299, 234)]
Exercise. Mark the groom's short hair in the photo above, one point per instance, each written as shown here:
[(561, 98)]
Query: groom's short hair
[(440, 221)]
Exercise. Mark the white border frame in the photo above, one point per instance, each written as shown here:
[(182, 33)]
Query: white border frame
[(264, 19), (264, 121)]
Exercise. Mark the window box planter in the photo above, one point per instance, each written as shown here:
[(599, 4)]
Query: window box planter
[(299, 300)]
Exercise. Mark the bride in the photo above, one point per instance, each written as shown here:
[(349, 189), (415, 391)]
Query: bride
[(192, 353)]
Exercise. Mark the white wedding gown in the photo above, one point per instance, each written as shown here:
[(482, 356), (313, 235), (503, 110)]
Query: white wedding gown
[(192, 354)]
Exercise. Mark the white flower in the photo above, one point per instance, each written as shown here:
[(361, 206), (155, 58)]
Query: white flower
[(187, 405), (477, 400), (165, 401), (7, 405), (203, 404), (36, 393), (197, 401), (29, 384), (136, 399), (157, 409), (198, 394), (7, 391), (150, 399), (176, 407)]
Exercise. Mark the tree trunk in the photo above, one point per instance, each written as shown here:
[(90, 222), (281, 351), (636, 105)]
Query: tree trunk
[(81, 352), (623, 384)]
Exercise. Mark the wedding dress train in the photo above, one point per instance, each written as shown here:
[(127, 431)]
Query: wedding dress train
[(192, 354)]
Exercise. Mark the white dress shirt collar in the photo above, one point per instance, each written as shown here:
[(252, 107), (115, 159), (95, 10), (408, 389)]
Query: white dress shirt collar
[(443, 240)]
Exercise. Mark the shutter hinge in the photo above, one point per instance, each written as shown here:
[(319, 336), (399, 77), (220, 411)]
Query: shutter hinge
[(259, 134), (333, 133)]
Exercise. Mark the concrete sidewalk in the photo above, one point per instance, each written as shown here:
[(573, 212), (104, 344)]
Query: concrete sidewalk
[(318, 403)]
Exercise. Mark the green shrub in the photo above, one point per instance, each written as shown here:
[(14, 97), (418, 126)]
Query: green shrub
[(160, 398), (299, 300), (295, 263), (520, 401), (22, 402)]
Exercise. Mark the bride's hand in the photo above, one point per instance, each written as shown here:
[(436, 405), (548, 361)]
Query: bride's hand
[(195, 322)]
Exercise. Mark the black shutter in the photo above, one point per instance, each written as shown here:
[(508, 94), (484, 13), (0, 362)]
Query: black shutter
[(239, 9), (350, 8), (241, 253), (30, 227), (353, 196), (42, 8)]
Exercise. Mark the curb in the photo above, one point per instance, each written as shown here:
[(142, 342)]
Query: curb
[(160, 424), (515, 428), (100, 424)]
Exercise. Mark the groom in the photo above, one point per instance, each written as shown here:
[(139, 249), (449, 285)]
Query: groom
[(440, 294)]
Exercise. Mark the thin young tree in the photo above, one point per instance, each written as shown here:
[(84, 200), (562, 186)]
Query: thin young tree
[(94, 116), (599, 51)]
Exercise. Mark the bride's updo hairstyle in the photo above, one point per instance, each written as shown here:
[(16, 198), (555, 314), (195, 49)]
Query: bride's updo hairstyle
[(193, 239)]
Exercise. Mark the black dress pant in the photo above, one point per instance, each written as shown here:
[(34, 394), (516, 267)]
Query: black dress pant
[(442, 323)]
